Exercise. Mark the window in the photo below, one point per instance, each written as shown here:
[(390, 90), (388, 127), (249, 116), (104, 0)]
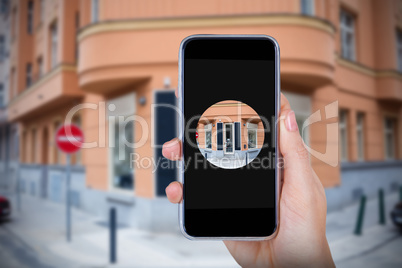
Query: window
[(95, 11), (30, 17), (123, 174), (343, 134), (24, 146), (40, 67), (53, 45), (77, 27), (360, 136), (4, 6), (14, 145), (2, 99), (42, 10), (44, 150), (307, 7), (399, 48), (208, 136), (14, 25), (300, 119), (2, 47), (252, 135), (348, 36), (76, 158), (56, 151), (34, 148), (301, 105), (389, 136), (13, 83), (1, 144), (121, 139), (28, 75)]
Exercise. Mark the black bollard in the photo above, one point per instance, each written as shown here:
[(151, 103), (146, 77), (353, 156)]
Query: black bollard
[(112, 227), (360, 216), (400, 193), (381, 206)]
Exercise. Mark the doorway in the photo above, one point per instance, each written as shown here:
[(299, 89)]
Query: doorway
[(165, 121), (121, 140), (228, 138)]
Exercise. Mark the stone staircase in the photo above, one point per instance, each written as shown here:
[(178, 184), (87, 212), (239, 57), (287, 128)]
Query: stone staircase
[(228, 161)]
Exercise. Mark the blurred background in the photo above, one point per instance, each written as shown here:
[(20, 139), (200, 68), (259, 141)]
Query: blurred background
[(117, 58)]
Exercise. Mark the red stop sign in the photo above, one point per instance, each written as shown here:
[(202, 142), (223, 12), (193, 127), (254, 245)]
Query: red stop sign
[(69, 138), (196, 135)]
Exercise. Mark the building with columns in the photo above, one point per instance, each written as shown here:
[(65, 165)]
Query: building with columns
[(230, 134), (8, 130), (115, 60)]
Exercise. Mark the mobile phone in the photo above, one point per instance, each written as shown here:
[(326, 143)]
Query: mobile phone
[(229, 97)]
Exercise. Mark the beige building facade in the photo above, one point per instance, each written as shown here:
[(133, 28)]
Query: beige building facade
[(102, 54)]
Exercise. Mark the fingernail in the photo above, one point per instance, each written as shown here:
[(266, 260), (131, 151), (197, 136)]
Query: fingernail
[(171, 142), (290, 122)]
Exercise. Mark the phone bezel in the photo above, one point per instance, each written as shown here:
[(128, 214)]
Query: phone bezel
[(181, 131)]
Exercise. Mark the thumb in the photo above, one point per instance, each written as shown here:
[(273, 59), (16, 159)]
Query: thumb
[(296, 157)]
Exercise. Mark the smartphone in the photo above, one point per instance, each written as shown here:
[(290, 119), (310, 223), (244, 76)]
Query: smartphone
[(229, 97)]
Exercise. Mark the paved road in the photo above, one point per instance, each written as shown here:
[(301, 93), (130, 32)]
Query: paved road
[(387, 255), (36, 238), (14, 253)]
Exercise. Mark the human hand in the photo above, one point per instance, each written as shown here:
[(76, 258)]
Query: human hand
[(301, 239)]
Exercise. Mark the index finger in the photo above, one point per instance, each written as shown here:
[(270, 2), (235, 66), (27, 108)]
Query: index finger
[(172, 149)]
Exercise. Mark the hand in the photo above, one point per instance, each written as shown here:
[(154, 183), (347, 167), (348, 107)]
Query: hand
[(301, 239)]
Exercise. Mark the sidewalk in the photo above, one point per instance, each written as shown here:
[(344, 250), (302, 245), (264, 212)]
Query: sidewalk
[(41, 225), (341, 224)]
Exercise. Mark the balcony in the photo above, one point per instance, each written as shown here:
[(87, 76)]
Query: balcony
[(58, 87), (389, 86), (385, 85), (120, 53)]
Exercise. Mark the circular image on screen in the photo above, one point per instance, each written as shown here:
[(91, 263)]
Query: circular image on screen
[(230, 134)]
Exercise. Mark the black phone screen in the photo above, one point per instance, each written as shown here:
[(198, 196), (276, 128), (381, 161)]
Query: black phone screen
[(229, 137)]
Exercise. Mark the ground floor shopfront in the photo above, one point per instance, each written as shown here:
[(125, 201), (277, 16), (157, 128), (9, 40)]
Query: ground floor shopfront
[(112, 174), (122, 164), (100, 182), (8, 157)]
